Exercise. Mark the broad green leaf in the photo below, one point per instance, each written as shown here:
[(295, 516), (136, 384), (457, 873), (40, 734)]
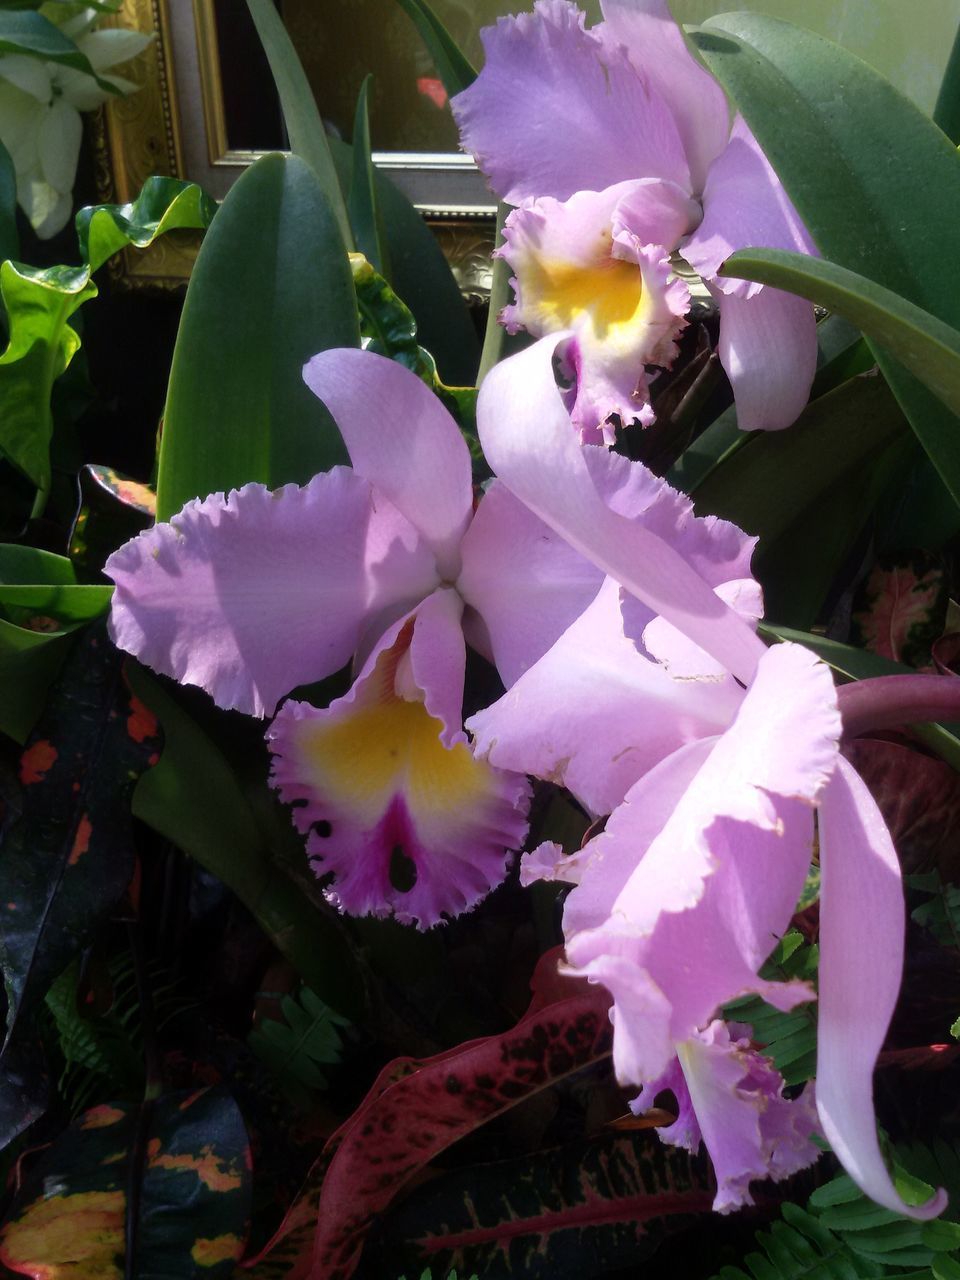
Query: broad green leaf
[(29, 662), (179, 1174), (271, 287), (946, 113), (308, 138), (363, 204), (838, 457), (38, 302), (34, 36), (875, 181), (68, 858), (164, 204), (453, 66), (194, 798), (39, 590), (925, 345), (421, 276)]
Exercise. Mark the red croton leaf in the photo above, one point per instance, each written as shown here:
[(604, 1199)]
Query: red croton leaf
[(416, 1109), (901, 609)]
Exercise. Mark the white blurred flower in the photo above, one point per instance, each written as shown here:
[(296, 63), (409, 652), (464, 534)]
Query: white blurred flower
[(40, 125)]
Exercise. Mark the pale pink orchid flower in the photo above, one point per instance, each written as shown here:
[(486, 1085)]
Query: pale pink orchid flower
[(618, 148), (696, 876), (384, 564)]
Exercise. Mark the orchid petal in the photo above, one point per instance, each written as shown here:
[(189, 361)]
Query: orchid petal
[(768, 348), (594, 714), (528, 441), (744, 205), (526, 584), (679, 656), (30, 75), (732, 1097), (555, 111), (111, 46), (370, 776), (251, 594), (719, 882), (401, 439), (861, 960), (656, 45), (48, 209)]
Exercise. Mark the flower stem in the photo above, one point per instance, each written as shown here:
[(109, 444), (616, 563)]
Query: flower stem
[(890, 702)]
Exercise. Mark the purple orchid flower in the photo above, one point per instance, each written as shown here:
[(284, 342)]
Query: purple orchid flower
[(683, 896), (621, 153)]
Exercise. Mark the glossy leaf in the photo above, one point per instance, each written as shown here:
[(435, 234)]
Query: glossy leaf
[(363, 204), (838, 455), (173, 1177), (925, 345), (39, 591), (305, 129), (900, 610), (24, 1089), (9, 236), (68, 858), (452, 65), (33, 36), (164, 204), (38, 302), (271, 287), (195, 799), (562, 1214), (29, 662), (946, 113), (874, 180), (113, 509)]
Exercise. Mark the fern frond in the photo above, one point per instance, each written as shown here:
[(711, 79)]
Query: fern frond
[(940, 914), (788, 1039), (296, 1049)]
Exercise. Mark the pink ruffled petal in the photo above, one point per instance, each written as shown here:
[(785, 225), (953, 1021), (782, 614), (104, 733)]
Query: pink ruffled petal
[(592, 265), (861, 960), (732, 1097), (401, 439), (680, 657), (744, 206), (526, 437), (768, 349), (594, 714), (555, 111), (251, 594), (526, 584), (719, 882), (658, 50), (407, 825)]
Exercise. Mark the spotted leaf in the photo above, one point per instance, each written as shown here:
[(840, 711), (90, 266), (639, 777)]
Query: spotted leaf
[(68, 858), (170, 1180), (901, 609)]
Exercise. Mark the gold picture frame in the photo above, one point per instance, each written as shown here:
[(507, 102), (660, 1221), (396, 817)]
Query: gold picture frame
[(175, 125)]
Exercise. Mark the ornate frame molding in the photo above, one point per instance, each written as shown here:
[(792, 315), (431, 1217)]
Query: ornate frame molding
[(175, 125)]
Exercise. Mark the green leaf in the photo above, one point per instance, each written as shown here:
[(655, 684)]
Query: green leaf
[(296, 1049), (33, 36), (29, 662), (68, 858), (164, 204), (830, 124), (39, 591), (194, 798), (364, 208), (308, 138), (270, 288), (452, 66), (9, 236), (788, 1039), (38, 302), (925, 345), (946, 113), (113, 509), (838, 455), (179, 1169)]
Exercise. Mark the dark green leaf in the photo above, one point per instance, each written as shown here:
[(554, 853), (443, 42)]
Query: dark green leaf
[(187, 1161), (298, 1047), (364, 207), (308, 138), (452, 66), (39, 591), (34, 36), (29, 661), (838, 456), (194, 799), (164, 204), (874, 180), (68, 858), (946, 113), (270, 288), (9, 236), (529, 1217)]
